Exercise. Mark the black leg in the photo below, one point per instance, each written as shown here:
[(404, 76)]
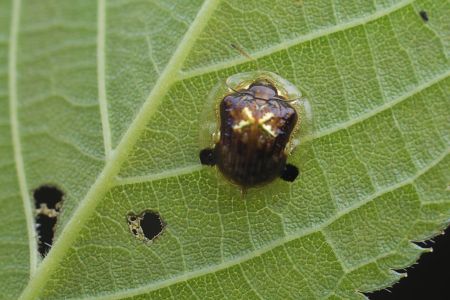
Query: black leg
[(289, 173), (207, 157)]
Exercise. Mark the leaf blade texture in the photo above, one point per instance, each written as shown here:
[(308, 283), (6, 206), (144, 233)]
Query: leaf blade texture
[(104, 99)]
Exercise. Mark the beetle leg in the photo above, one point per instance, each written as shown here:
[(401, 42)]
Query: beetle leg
[(289, 173), (207, 157)]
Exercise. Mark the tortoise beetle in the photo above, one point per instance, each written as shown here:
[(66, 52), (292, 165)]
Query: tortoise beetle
[(259, 114)]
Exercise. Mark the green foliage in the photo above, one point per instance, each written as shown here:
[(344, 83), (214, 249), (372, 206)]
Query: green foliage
[(104, 100)]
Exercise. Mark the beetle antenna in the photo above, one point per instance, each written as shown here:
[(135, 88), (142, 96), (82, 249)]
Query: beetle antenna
[(292, 100), (241, 51), (244, 53), (243, 192)]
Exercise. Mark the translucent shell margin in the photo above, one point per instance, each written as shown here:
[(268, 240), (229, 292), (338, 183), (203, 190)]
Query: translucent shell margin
[(209, 120)]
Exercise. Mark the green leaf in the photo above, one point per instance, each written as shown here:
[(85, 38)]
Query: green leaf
[(103, 99)]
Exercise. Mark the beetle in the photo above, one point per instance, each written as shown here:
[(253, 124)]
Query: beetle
[(258, 118)]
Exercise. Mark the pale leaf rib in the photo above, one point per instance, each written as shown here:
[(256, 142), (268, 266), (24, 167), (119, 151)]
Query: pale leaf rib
[(161, 175), (296, 41), (341, 126), (15, 135), (270, 246), (395, 251), (250, 285), (379, 109), (113, 163), (101, 70)]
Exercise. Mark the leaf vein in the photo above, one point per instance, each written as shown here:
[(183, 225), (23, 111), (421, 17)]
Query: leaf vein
[(101, 69), (325, 132), (15, 135), (293, 42), (105, 179), (379, 109), (270, 246)]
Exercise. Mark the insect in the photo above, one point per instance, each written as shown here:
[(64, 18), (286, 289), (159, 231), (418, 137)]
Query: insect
[(423, 14), (259, 114)]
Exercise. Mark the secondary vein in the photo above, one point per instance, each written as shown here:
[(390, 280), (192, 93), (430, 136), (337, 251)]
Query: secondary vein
[(101, 19), (15, 135), (144, 289), (319, 134), (387, 105), (293, 42)]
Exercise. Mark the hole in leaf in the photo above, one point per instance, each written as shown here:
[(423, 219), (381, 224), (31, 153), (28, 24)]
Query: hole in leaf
[(152, 225), (48, 194), (146, 226), (45, 229), (48, 202)]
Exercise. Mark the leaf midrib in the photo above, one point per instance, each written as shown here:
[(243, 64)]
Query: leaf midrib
[(106, 178), (270, 246)]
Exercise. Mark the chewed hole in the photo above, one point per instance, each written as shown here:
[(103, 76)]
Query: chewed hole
[(152, 225), (146, 226), (48, 194), (45, 229), (48, 202)]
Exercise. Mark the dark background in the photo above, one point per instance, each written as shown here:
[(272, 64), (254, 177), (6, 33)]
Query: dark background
[(430, 279)]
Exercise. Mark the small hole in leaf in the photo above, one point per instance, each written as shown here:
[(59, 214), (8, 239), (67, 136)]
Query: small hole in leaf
[(45, 229), (152, 225), (48, 194), (146, 226), (48, 201)]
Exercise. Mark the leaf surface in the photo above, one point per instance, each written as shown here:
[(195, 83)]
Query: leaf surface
[(104, 99)]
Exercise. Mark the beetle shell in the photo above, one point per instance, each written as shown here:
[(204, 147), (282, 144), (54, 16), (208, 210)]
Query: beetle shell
[(255, 129), (258, 114)]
